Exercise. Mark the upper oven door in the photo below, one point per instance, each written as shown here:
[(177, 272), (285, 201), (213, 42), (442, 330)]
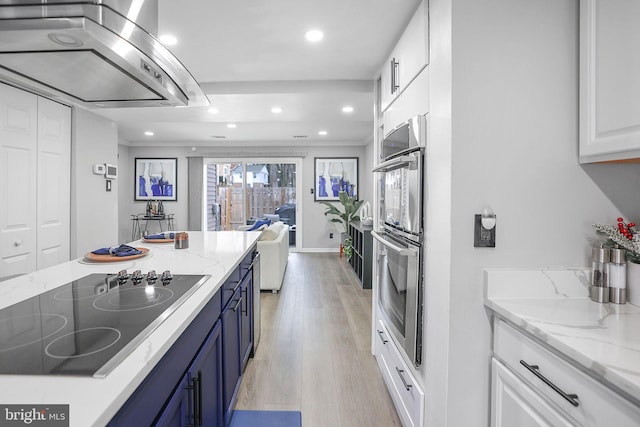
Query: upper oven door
[(401, 193), (405, 137)]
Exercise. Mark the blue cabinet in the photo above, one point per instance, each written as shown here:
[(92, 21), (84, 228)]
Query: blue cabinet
[(197, 381), (149, 399)]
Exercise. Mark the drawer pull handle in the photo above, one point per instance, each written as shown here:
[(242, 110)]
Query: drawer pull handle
[(380, 334), (535, 370), (400, 372)]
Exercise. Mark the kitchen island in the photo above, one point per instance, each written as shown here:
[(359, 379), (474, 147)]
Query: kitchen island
[(546, 325), (94, 401)]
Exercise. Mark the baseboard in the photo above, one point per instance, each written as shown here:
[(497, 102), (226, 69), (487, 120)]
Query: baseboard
[(321, 250)]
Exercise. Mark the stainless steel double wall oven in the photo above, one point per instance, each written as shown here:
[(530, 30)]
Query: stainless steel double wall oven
[(400, 234)]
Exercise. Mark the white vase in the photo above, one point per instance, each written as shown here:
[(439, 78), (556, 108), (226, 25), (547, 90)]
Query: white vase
[(633, 283)]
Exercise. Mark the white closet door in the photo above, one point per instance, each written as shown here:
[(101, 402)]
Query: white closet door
[(54, 188), (18, 172)]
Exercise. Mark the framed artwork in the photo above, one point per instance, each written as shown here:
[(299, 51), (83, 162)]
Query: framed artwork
[(335, 174), (156, 179)]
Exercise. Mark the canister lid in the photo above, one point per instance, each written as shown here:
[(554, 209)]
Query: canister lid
[(618, 256), (600, 254)]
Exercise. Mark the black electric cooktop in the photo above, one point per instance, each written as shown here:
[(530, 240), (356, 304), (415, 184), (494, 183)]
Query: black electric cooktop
[(86, 327)]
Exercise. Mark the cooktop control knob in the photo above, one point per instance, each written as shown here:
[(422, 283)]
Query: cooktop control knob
[(151, 277), (123, 276), (166, 277), (136, 277)]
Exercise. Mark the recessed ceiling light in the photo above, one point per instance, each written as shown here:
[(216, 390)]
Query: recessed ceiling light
[(314, 35), (168, 39), (213, 110), (347, 109), (276, 110), (148, 133), (322, 132), (231, 125)]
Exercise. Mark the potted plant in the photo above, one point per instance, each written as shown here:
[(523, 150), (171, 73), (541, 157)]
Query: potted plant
[(349, 213)]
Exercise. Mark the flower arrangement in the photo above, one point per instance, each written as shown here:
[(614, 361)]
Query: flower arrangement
[(622, 236)]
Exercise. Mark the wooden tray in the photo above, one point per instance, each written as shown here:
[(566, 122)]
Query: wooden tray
[(157, 240), (112, 258)]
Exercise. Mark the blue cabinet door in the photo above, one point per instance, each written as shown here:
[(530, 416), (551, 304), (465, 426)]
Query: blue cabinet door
[(197, 399), (231, 362), (206, 373), (178, 409)]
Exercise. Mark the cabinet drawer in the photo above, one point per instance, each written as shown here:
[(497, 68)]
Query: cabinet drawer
[(407, 394), (595, 405), (515, 403)]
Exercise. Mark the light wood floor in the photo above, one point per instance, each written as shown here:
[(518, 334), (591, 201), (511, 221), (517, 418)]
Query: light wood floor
[(315, 351)]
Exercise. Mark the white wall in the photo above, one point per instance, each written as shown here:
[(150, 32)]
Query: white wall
[(508, 72), (316, 227), (94, 211)]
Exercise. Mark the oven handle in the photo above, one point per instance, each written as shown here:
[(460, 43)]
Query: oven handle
[(395, 162), (398, 249)]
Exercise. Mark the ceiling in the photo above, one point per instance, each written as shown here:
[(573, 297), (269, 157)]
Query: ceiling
[(251, 56)]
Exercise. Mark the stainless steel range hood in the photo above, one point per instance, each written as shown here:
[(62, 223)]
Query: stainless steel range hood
[(92, 53)]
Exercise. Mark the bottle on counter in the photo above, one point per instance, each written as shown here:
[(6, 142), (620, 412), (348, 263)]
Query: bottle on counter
[(618, 276), (599, 290)]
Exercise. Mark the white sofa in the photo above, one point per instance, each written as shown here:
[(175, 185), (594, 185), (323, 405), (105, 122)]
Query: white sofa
[(274, 255)]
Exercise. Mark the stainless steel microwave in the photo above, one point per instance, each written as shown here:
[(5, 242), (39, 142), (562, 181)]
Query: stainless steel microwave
[(405, 137), (402, 179)]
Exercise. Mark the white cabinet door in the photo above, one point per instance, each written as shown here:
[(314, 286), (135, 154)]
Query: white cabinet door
[(54, 189), (18, 171), (407, 59), (514, 403), (609, 80), (413, 102)]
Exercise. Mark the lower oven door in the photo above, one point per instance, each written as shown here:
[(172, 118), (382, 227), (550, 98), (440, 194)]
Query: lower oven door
[(400, 291)]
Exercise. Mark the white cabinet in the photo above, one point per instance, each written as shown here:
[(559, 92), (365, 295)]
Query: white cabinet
[(609, 80), (407, 59), (35, 146), (405, 391), (531, 386)]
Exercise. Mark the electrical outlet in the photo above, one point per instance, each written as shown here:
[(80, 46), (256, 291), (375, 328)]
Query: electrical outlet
[(331, 235)]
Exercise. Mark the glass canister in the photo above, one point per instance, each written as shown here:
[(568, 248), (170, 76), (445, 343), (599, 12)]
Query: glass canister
[(600, 259), (618, 276)]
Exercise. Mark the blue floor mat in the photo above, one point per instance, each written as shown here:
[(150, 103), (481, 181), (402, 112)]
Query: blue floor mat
[(243, 418)]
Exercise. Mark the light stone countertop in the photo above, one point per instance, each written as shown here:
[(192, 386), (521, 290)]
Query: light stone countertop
[(94, 401), (553, 306)]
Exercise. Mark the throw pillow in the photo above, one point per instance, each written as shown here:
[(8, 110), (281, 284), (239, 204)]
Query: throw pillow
[(259, 223), (268, 234), (277, 226)]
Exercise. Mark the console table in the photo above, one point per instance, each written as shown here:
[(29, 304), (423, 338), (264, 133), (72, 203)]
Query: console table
[(138, 231), (362, 245)]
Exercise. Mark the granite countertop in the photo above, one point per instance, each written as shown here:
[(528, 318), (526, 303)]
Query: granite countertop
[(553, 306), (94, 401)]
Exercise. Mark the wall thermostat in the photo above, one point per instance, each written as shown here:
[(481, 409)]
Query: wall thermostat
[(111, 172), (98, 169)]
